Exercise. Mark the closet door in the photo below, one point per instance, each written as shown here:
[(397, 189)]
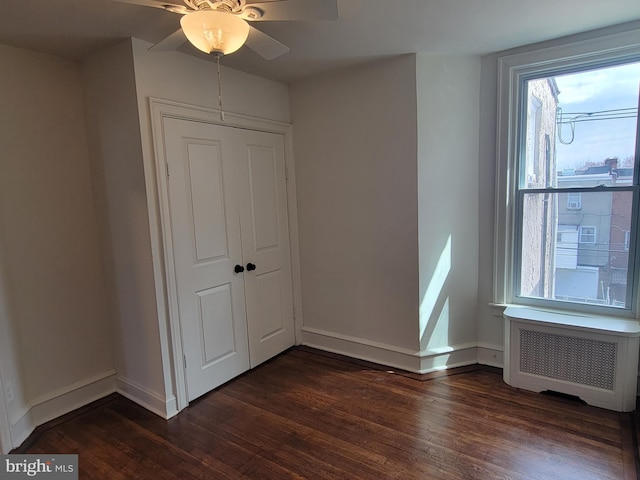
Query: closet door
[(230, 235), (205, 230), (265, 244)]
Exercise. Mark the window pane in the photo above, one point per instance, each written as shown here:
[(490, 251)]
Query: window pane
[(539, 166), (580, 129), (576, 255)]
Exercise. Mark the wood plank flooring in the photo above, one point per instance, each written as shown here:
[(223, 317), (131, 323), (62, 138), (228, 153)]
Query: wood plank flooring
[(310, 415)]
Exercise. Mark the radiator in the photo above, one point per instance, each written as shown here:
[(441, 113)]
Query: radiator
[(595, 359)]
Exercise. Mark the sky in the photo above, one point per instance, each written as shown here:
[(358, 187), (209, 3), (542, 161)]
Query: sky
[(595, 91)]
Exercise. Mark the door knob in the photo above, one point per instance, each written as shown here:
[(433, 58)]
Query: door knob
[(238, 269), (250, 267)]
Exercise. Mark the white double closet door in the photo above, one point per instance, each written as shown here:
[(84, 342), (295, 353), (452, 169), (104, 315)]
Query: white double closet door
[(230, 243)]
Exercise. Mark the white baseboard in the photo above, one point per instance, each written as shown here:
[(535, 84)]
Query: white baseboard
[(449, 357), (152, 401), (491, 355), (362, 349), (79, 394), (60, 402), (423, 361)]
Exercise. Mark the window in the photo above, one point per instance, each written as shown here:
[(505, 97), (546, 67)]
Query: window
[(567, 188), (574, 201), (587, 234)]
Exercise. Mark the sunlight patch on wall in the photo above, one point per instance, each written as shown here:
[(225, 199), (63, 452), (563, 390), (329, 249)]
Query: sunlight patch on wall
[(438, 340), (433, 325)]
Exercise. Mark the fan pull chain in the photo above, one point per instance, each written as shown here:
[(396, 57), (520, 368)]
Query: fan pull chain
[(219, 88)]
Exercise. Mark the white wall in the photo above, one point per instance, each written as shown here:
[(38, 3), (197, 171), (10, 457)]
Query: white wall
[(387, 168), (119, 181), (448, 120), (187, 79), (355, 153), (55, 340), (9, 364)]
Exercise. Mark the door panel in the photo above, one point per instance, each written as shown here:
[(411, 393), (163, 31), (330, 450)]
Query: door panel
[(215, 313), (262, 168), (206, 247), (271, 319), (265, 243), (206, 195)]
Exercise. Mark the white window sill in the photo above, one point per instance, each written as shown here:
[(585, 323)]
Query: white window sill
[(600, 323)]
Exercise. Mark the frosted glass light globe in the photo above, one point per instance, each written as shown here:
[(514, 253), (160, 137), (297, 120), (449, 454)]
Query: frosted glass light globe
[(212, 31)]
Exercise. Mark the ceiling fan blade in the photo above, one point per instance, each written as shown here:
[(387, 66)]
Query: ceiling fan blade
[(175, 6), (264, 45), (297, 10), (170, 43)]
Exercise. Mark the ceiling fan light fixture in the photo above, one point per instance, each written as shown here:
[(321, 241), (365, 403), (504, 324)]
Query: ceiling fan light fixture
[(213, 31)]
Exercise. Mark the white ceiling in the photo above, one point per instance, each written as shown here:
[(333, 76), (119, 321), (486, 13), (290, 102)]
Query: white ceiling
[(366, 30)]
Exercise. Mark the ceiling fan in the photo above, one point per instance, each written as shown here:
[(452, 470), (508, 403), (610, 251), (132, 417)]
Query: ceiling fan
[(221, 27)]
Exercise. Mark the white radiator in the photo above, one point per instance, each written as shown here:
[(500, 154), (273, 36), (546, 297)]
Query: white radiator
[(593, 358)]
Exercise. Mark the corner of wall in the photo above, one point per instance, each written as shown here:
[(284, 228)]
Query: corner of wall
[(58, 403), (165, 407), (119, 174)]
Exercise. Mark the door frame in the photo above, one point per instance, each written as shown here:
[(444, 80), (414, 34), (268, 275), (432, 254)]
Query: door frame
[(164, 268)]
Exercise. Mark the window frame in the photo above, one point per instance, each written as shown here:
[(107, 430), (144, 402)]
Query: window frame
[(513, 72), (627, 240)]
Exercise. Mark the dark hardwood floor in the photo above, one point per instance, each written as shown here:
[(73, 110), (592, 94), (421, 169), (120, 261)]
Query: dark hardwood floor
[(311, 415)]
